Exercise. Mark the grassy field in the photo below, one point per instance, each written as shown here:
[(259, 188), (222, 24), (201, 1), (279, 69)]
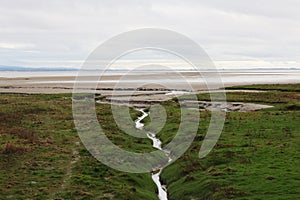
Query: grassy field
[(272, 87), (257, 156), (41, 159)]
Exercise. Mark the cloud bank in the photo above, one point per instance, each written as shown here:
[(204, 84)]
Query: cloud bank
[(235, 33)]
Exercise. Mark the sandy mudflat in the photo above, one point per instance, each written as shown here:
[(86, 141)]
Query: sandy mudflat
[(150, 82), (143, 89)]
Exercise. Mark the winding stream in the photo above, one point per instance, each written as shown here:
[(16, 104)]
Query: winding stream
[(162, 190)]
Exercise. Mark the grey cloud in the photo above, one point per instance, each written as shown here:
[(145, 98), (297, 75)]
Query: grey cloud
[(61, 30)]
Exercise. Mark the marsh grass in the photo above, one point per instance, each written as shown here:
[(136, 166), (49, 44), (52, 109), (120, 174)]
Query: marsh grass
[(12, 148), (271, 87), (37, 144), (256, 157)]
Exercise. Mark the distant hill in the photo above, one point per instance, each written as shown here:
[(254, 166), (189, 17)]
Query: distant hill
[(32, 69)]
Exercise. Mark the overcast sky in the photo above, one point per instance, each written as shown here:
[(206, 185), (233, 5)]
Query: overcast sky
[(234, 33)]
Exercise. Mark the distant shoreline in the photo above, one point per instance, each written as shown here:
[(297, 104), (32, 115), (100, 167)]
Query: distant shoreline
[(63, 82), (62, 69)]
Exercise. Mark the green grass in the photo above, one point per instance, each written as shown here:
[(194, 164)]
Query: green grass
[(278, 87), (37, 140), (256, 157)]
